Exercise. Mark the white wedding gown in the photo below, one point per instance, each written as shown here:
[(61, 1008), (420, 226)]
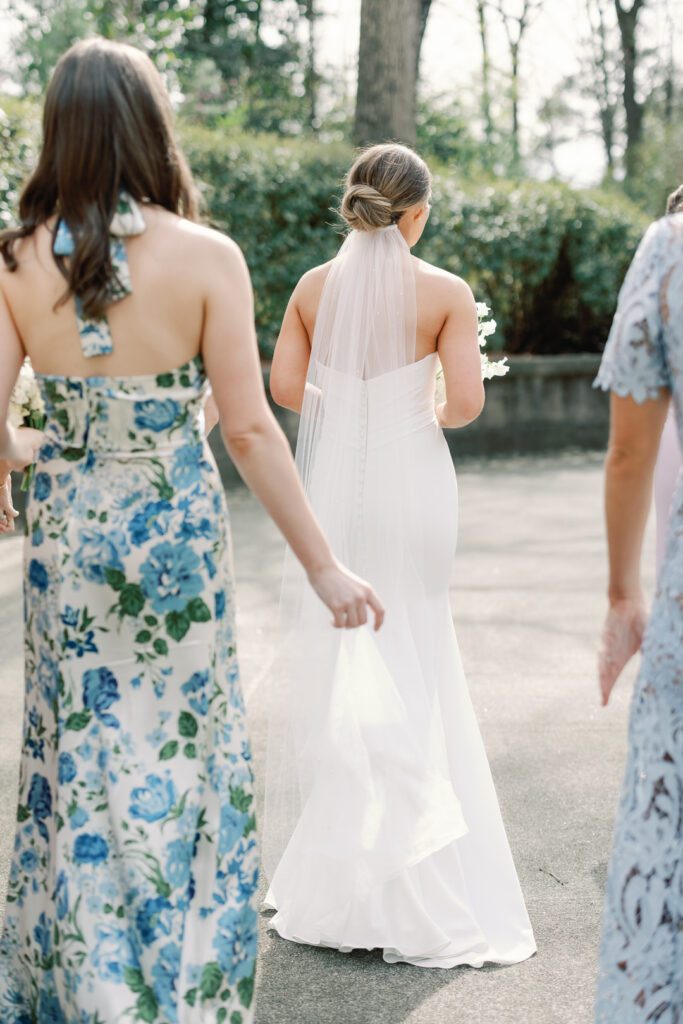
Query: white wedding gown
[(382, 827)]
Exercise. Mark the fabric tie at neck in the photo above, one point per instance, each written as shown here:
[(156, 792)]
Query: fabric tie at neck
[(127, 222)]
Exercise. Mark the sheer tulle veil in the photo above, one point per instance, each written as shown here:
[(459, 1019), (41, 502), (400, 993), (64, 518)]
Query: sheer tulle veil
[(328, 687)]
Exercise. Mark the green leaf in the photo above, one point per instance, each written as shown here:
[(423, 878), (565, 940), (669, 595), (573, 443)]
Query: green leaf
[(189, 750), (132, 599), (151, 620), (210, 981), (165, 380), (134, 979), (191, 996), (240, 800), (198, 610), (143, 637), (168, 750), (115, 578), (187, 724), (147, 1005), (77, 720), (23, 813), (73, 454), (236, 1017), (177, 625), (222, 1015), (160, 645), (245, 989)]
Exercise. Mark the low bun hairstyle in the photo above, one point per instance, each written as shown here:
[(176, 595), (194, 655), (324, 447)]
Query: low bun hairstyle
[(674, 203), (383, 183)]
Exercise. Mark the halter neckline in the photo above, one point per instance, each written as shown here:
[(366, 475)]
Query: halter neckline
[(127, 222)]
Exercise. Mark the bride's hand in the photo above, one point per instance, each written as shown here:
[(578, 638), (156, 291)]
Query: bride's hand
[(21, 446), (622, 636), (8, 513), (347, 596)]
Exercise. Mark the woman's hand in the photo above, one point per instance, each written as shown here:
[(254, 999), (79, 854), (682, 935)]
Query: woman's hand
[(347, 596), (8, 513), (622, 636), (21, 446)]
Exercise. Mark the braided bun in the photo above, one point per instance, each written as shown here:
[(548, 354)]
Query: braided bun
[(364, 208), (384, 182)]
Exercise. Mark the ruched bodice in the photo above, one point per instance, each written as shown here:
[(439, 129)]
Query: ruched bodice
[(125, 415), (374, 412)]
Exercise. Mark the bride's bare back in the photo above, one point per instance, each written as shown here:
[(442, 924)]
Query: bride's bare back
[(446, 323)]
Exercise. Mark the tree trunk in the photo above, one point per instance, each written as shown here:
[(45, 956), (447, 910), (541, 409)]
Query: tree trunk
[(311, 75), (600, 60), (628, 23), (514, 101), (387, 71), (485, 71), (423, 14)]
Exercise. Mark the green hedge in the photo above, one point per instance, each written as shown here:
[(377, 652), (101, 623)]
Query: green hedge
[(548, 259)]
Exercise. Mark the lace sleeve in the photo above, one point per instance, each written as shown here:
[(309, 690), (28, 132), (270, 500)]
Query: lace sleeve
[(634, 361)]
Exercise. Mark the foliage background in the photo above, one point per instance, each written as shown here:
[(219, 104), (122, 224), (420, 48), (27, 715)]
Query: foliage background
[(547, 258)]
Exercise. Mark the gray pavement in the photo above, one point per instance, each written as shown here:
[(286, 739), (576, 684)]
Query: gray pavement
[(527, 600)]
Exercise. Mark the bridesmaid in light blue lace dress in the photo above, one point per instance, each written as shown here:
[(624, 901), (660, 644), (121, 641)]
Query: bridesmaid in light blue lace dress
[(133, 881), (641, 968)]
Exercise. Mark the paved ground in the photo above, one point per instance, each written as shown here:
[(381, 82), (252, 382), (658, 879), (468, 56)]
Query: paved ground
[(527, 600)]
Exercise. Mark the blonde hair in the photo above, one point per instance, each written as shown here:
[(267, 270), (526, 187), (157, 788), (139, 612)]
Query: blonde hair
[(674, 203), (383, 183)]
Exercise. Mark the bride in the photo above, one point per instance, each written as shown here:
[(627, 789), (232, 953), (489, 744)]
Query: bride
[(382, 828)]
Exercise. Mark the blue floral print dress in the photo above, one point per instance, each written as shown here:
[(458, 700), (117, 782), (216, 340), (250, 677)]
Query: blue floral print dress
[(133, 882), (641, 967)]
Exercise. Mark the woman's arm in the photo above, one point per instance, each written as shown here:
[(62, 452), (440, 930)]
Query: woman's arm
[(458, 348), (18, 447), (635, 434), (291, 357), (256, 443)]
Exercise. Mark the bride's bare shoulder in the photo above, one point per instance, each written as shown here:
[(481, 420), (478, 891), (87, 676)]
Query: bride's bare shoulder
[(309, 288), (441, 286)]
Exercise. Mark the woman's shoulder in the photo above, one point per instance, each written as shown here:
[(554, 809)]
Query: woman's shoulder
[(169, 228), (439, 284), (309, 287)]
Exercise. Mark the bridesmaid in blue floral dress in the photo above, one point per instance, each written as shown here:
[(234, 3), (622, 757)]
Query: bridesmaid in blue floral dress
[(133, 882), (641, 968)]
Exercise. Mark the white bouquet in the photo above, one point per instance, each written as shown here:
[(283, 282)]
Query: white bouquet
[(499, 367), (489, 368), (26, 408)]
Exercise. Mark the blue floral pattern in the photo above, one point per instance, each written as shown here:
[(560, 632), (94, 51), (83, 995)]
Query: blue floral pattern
[(132, 892), (641, 967)]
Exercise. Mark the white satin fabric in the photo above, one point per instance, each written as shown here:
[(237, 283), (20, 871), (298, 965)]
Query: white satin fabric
[(382, 828)]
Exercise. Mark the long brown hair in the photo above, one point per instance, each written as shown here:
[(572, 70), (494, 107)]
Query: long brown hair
[(107, 126)]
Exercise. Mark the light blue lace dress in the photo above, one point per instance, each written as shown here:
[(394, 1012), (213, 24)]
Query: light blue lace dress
[(641, 966), (133, 881)]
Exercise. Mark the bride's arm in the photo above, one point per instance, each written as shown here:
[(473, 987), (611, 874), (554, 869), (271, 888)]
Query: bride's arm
[(291, 357), (458, 348), (256, 443)]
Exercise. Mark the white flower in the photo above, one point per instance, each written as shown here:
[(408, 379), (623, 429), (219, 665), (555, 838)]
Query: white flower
[(26, 398), (497, 368)]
